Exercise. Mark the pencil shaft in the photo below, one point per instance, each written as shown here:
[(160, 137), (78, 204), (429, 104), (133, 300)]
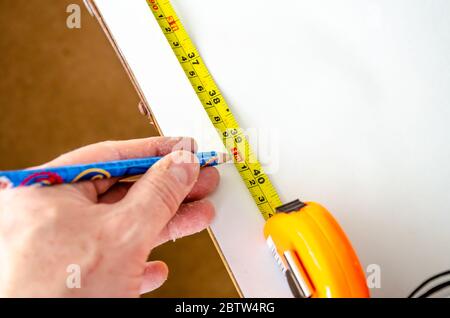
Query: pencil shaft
[(100, 170)]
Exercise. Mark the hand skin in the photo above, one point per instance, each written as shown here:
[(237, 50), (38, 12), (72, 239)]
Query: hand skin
[(105, 227)]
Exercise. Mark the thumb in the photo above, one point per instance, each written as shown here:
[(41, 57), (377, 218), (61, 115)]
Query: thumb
[(155, 198)]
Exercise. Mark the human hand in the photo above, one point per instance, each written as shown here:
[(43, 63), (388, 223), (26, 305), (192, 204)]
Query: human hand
[(103, 227)]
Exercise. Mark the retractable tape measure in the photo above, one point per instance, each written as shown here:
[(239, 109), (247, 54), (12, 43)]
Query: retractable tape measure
[(318, 263)]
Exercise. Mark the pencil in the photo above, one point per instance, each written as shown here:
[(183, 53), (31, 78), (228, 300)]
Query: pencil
[(92, 171)]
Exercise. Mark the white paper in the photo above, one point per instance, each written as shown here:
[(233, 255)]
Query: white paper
[(354, 95)]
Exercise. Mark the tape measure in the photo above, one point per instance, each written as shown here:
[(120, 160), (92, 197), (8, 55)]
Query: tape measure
[(324, 265), (219, 112)]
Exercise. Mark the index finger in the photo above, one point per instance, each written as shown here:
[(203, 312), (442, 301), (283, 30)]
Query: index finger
[(125, 149), (118, 150)]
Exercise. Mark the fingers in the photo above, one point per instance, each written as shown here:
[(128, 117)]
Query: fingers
[(115, 194), (92, 189), (206, 184), (155, 198), (120, 150), (191, 218), (154, 276)]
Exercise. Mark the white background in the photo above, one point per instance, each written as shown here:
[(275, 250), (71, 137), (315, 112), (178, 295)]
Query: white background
[(356, 92)]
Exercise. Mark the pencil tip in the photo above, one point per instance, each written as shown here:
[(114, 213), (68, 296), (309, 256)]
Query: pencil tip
[(223, 157)]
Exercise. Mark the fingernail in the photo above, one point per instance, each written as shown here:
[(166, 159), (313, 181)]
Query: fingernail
[(184, 167)]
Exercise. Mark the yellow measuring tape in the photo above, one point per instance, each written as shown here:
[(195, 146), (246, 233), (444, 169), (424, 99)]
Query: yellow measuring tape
[(219, 112), (321, 261)]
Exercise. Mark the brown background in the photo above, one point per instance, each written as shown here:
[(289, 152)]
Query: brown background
[(63, 88)]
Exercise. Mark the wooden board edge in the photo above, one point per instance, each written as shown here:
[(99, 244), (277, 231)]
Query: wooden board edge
[(93, 9)]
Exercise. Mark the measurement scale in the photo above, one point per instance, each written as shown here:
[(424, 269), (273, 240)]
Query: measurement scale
[(219, 112), (309, 245)]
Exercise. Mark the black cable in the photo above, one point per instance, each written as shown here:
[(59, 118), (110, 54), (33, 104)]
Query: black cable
[(415, 291), (435, 289)]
